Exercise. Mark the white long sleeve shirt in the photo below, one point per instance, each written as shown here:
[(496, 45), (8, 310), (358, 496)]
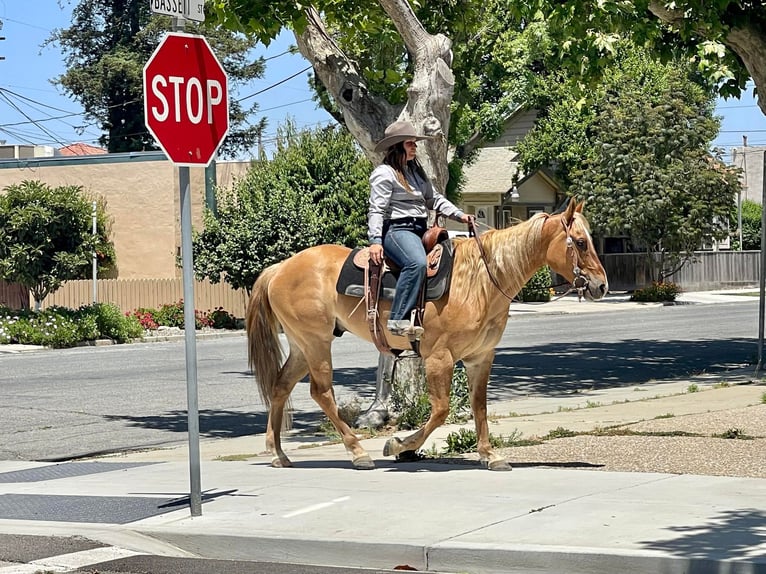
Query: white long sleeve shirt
[(390, 200)]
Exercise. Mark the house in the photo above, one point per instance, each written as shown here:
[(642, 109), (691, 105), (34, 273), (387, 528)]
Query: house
[(496, 192), (142, 195)]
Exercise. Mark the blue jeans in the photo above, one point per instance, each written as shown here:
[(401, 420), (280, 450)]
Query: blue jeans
[(403, 244)]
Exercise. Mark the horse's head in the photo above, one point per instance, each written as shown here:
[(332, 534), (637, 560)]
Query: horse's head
[(572, 255)]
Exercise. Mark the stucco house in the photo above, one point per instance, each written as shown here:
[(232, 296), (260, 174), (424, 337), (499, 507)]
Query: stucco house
[(496, 191)]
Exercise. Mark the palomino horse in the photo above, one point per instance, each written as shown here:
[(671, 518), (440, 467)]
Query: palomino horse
[(299, 294)]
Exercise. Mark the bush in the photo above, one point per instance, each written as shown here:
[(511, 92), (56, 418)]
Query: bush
[(538, 288), (221, 319), (657, 292), (61, 327), (171, 315)]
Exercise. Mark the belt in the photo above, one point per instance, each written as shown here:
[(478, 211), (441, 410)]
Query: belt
[(409, 221)]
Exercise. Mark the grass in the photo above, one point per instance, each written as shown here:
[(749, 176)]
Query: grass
[(235, 457)]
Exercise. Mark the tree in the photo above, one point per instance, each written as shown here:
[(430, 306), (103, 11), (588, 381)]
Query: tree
[(464, 62), (726, 39), (45, 236), (650, 175), (105, 50), (751, 224), (313, 191)]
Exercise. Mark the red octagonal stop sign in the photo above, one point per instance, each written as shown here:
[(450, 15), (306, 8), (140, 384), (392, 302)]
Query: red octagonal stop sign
[(186, 100)]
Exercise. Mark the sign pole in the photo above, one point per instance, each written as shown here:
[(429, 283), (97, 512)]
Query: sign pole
[(190, 334), (195, 495)]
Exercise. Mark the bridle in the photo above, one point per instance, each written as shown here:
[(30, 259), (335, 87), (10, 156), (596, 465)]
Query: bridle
[(580, 282)]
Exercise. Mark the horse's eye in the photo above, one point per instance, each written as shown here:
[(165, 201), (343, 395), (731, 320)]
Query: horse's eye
[(581, 244)]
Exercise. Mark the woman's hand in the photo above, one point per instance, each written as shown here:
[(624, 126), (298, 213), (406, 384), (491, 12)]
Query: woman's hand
[(376, 253), (468, 218)]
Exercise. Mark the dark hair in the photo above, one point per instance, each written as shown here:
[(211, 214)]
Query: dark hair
[(396, 157)]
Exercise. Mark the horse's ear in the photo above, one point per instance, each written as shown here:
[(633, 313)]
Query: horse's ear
[(570, 210), (580, 207)]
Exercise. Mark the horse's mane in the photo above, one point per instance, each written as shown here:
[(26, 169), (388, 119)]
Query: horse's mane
[(511, 252)]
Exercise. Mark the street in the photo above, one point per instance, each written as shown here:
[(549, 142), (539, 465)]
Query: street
[(62, 404)]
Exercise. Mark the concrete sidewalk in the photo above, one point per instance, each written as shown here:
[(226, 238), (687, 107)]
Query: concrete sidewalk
[(445, 516)]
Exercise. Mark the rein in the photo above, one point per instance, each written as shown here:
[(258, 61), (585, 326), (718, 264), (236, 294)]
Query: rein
[(579, 284)]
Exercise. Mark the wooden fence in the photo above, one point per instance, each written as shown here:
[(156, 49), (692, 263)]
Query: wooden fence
[(709, 271), (130, 294), (626, 271)]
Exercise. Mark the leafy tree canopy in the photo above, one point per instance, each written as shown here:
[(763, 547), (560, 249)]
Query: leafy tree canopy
[(725, 39), (649, 174), (313, 191), (45, 236), (105, 50)]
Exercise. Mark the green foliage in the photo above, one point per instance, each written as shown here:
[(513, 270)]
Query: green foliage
[(586, 34), (538, 288), (112, 324), (222, 319), (657, 292), (45, 236), (315, 190), (105, 50), (172, 315), (693, 388), (751, 225), (559, 432), (650, 175), (60, 327)]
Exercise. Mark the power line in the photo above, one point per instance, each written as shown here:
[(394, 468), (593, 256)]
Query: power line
[(306, 69)]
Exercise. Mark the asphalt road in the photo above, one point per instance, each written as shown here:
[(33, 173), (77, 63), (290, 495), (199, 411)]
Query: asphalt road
[(61, 404)]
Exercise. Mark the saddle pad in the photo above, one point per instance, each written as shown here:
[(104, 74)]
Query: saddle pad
[(351, 279)]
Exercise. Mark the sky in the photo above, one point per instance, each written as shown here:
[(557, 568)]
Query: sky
[(29, 102), (32, 110)]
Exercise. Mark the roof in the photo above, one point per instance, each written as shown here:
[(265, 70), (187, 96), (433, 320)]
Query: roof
[(81, 149)]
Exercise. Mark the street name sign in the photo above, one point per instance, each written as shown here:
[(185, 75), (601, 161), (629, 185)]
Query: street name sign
[(189, 9)]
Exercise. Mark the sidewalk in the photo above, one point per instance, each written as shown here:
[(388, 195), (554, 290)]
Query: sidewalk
[(436, 515), (454, 517)]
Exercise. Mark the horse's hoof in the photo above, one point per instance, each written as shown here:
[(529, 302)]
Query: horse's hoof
[(392, 447), (364, 462), (500, 465), (281, 462)]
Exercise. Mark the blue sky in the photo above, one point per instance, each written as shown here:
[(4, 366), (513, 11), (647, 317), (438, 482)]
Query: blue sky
[(26, 93)]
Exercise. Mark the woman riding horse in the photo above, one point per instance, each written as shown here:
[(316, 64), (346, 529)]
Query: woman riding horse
[(466, 324)]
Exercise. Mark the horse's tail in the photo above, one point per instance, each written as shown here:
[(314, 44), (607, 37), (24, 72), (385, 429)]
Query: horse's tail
[(263, 349)]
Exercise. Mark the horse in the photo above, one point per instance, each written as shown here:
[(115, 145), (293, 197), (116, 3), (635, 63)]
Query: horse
[(298, 294)]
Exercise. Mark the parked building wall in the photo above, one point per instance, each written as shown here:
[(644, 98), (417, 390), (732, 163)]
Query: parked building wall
[(143, 201)]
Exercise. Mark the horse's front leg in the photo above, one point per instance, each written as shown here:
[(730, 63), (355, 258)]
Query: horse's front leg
[(439, 368), (477, 370)]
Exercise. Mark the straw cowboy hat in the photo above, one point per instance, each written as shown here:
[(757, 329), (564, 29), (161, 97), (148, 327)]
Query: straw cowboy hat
[(398, 132)]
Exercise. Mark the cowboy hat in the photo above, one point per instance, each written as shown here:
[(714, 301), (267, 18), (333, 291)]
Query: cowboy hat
[(398, 132)]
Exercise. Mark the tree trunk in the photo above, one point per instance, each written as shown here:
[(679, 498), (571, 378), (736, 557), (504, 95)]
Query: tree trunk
[(365, 114), (748, 41)]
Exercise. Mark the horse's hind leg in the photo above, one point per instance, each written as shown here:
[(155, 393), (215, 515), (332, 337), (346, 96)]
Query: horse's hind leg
[(294, 369), (320, 370), (439, 369), (477, 370)]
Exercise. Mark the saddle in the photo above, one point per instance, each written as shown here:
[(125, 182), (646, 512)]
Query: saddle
[(359, 279)]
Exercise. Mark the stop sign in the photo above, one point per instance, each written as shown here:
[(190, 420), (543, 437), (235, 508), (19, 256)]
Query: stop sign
[(186, 102)]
